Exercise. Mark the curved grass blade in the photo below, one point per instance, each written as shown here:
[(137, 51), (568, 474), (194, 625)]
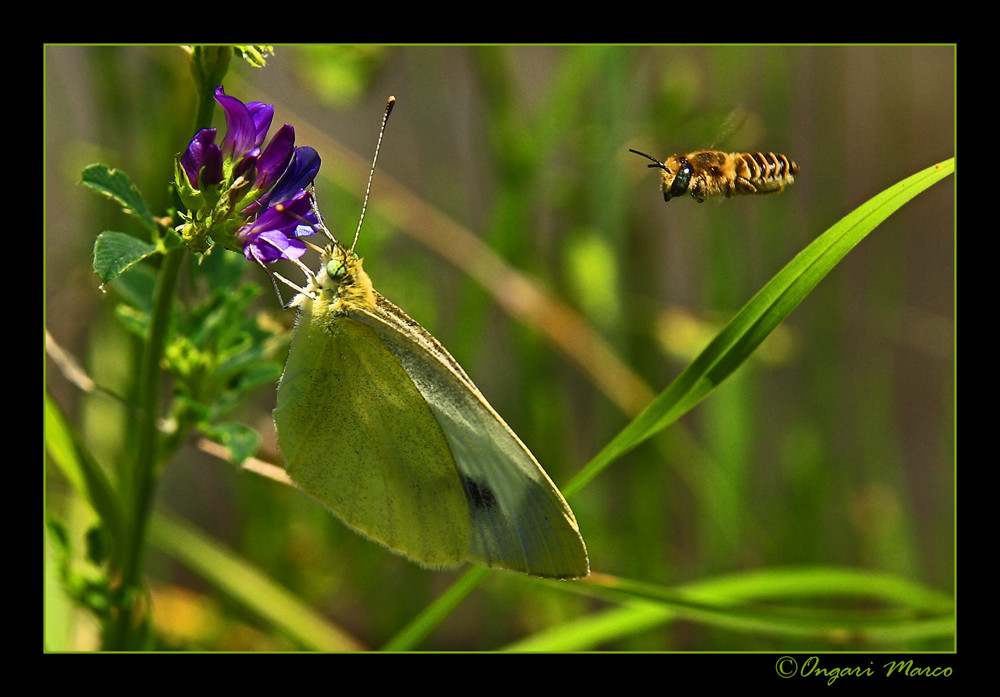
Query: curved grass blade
[(758, 318), (68, 452), (247, 586), (786, 602)]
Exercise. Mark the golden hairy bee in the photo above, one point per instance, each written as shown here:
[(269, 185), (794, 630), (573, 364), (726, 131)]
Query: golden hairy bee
[(709, 173)]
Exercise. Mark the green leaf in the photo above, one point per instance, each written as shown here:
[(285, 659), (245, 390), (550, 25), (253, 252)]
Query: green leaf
[(255, 55), (115, 252), (116, 184), (758, 318), (241, 440)]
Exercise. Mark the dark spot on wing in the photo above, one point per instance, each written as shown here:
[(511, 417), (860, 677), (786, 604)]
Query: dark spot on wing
[(480, 496)]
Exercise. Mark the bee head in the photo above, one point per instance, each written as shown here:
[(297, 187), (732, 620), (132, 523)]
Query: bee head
[(676, 176)]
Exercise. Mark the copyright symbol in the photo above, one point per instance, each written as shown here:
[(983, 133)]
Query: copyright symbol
[(786, 667)]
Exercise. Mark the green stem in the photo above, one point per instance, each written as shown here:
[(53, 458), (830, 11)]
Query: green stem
[(209, 65), (145, 471)]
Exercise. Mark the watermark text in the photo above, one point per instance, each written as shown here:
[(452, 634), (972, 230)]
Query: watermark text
[(830, 671)]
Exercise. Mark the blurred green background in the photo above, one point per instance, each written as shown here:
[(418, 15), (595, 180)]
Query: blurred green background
[(836, 447)]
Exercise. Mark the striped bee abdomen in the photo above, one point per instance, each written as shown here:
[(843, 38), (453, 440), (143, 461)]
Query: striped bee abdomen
[(765, 172)]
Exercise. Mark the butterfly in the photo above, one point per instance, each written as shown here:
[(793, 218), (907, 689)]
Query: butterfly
[(377, 421)]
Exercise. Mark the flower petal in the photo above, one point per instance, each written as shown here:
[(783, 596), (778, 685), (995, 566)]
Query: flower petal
[(193, 158), (287, 216), (241, 131), (272, 245), (276, 157), (300, 173), (211, 172), (261, 114)]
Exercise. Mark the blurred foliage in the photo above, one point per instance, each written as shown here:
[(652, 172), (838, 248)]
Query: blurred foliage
[(836, 448)]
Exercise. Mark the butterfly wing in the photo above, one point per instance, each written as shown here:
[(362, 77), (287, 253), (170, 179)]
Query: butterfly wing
[(358, 435), (518, 518)]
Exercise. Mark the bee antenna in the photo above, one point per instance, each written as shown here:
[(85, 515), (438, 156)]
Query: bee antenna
[(656, 163), (385, 118)]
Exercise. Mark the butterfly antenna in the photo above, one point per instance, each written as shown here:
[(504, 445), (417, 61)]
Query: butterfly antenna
[(364, 205), (657, 163), (319, 220)]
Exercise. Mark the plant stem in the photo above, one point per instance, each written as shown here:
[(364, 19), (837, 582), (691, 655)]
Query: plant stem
[(145, 470)]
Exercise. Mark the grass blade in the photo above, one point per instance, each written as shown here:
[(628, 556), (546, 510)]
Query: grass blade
[(246, 585), (67, 451), (827, 604)]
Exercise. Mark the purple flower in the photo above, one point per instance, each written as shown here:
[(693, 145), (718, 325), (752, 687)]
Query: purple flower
[(248, 199), (273, 234), (203, 154)]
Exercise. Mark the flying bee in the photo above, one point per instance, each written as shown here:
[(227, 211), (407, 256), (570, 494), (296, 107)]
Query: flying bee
[(709, 173)]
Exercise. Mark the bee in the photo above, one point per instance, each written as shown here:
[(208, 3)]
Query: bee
[(709, 173)]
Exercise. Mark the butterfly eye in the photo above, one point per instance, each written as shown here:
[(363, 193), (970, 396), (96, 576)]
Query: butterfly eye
[(336, 269)]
